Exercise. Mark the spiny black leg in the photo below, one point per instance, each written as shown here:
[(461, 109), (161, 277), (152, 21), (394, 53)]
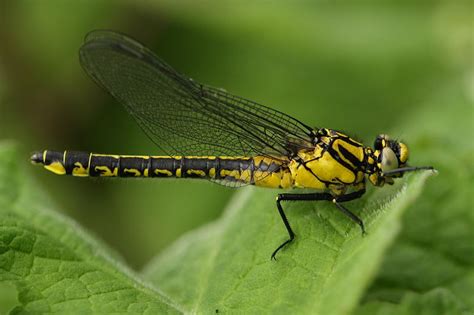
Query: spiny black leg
[(279, 198), (351, 196), (314, 197), (347, 212), (351, 215), (295, 197)]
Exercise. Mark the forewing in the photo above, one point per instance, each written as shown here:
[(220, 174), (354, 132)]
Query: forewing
[(180, 115)]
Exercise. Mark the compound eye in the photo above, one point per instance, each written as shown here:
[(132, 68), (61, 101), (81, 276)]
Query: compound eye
[(389, 160), (403, 153)]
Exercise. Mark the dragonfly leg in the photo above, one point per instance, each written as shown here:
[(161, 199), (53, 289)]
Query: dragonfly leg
[(313, 197), (354, 195)]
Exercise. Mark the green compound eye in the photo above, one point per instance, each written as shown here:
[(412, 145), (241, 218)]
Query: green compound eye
[(403, 153), (389, 160)]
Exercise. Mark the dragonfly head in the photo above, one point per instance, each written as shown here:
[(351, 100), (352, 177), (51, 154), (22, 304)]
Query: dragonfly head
[(390, 160)]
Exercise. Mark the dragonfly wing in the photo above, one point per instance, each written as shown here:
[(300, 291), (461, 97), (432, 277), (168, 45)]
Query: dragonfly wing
[(180, 115)]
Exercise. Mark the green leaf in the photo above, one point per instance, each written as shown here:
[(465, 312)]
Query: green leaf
[(430, 268), (52, 263), (56, 267), (438, 301), (226, 266)]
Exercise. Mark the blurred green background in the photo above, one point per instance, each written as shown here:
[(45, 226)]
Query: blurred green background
[(361, 68)]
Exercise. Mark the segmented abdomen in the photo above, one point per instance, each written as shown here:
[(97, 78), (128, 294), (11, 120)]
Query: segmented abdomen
[(233, 171)]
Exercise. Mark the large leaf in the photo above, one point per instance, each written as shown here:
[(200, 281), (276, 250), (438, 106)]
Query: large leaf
[(53, 264), (430, 269), (226, 266), (56, 267)]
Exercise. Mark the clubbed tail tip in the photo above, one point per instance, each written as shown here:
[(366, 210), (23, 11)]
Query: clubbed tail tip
[(37, 158)]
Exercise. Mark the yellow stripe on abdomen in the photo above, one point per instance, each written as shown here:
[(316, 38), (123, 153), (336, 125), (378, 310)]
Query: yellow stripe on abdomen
[(260, 171)]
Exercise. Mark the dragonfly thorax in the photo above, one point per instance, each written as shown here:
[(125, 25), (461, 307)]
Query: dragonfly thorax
[(335, 163), (338, 162)]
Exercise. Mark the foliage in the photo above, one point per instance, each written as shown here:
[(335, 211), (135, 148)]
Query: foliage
[(57, 267), (364, 68)]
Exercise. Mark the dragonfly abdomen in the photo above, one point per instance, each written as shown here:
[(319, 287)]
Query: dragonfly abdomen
[(82, 164)]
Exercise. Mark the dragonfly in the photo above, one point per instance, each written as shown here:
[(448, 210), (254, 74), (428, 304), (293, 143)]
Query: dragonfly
[(208, 133)]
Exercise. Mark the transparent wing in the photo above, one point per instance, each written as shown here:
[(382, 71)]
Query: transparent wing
[(181, 116)]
